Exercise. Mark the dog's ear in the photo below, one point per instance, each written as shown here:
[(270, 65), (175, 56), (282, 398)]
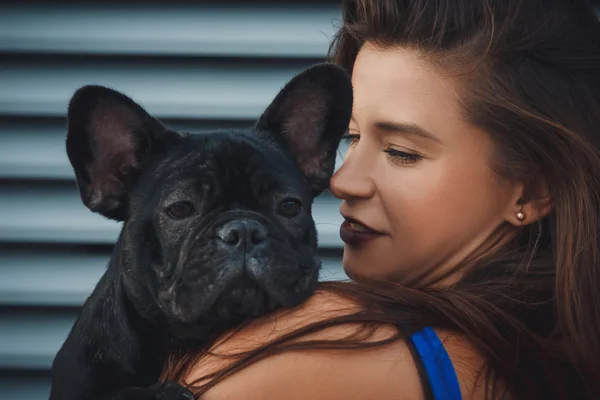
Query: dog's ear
[(109, 137), (308, 118)]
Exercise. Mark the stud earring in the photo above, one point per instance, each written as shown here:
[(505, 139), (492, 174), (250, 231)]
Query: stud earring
[(520, 216)]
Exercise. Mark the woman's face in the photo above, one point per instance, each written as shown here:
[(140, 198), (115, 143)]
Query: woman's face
[(417, 186)]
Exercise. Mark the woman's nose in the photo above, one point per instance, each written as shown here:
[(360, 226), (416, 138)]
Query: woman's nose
[(353, 178)]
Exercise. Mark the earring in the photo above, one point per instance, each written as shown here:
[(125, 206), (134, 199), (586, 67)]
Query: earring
[(520, 216)]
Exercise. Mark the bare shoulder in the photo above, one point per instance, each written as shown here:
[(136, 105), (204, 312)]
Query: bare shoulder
[(386, 371), (468, 363)]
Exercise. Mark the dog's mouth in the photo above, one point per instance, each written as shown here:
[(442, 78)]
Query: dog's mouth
[(242, 299), (234, 302)]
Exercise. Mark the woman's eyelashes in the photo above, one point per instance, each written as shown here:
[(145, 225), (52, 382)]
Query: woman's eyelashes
[(351, 138), (402, 157), (396, 156)]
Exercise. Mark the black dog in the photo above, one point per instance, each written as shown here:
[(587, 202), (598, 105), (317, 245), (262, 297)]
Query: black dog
[(217, 228)]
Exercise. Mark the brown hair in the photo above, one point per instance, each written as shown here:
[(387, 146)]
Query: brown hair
[(531, 74)]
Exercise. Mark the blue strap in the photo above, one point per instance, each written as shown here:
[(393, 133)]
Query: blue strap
[(437, 364)]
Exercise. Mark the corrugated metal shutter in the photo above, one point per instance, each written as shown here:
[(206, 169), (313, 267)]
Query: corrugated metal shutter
[(196, 67)]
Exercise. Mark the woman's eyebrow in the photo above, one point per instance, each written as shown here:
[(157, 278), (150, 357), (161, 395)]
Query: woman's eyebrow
[(405, 128)]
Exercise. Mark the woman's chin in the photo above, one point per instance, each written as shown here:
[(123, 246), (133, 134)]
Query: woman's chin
[(357, 270), (360, 265)]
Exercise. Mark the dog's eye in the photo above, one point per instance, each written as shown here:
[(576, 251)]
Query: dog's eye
[(290, 208), (180, 210)]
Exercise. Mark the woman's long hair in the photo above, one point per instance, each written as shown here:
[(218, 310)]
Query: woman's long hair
[(530, 74)]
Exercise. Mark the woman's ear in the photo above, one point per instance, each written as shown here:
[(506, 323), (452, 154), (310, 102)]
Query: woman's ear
[(530, 204)]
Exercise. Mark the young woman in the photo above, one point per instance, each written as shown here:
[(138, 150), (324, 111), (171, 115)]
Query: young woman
[(472, 202)]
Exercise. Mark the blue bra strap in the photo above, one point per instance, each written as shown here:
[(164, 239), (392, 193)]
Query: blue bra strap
[(437, 364)]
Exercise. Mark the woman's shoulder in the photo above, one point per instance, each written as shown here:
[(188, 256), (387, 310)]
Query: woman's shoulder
[(386, 371)]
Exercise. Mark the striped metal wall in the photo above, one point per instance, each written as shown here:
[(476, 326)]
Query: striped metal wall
[(196, 67)]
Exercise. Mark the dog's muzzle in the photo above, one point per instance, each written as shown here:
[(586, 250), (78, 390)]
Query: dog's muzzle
[(246, 245), (242, 236), (243, 267)]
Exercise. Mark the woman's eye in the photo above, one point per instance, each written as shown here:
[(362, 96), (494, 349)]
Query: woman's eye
[(349, 141), (402, 157), (351, 138), (180, 210), (290, 208)]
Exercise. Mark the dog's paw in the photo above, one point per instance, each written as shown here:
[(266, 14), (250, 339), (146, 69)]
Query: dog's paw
[(170, 391)]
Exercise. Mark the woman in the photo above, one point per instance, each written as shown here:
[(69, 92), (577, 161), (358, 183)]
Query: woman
[(472, 205)]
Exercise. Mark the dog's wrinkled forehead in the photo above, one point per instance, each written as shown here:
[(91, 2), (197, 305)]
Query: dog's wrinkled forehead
[(112, 143), (231, 166)]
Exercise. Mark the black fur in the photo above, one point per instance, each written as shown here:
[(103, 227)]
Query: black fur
[(217, 227)]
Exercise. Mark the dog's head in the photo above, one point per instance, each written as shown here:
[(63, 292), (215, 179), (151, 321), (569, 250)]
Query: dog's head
[(215, 225)]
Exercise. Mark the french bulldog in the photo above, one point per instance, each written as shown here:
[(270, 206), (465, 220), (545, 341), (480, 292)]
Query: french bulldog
[(217, 228)]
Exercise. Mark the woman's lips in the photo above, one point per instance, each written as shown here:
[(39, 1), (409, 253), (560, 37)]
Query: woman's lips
[(355, 234)]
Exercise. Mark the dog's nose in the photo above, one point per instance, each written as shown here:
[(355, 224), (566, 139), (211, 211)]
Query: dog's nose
[(242, 233)]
